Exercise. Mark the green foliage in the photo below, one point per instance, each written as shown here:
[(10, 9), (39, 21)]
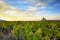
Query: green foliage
[(39, 30), (16, 31)]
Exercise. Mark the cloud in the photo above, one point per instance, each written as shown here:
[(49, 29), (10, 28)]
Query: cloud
[(10, 12), (19, 17), (37, 3), (31, 5), (31, 8), (57, 4), (19, 13)]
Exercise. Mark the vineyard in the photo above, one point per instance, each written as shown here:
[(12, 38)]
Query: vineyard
[(30, 30)]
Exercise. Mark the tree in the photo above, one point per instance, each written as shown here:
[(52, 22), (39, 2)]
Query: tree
[(43, 19)]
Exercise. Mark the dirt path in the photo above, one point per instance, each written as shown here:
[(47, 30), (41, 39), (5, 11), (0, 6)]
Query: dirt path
[(4, 36)]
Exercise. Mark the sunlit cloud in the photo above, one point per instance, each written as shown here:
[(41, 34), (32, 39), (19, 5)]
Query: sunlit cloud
[(10, 12)]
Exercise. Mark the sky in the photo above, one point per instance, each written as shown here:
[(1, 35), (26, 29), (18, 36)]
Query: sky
[(30, 9)]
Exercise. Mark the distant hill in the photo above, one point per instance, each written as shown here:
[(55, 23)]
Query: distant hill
[(2, 20)]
